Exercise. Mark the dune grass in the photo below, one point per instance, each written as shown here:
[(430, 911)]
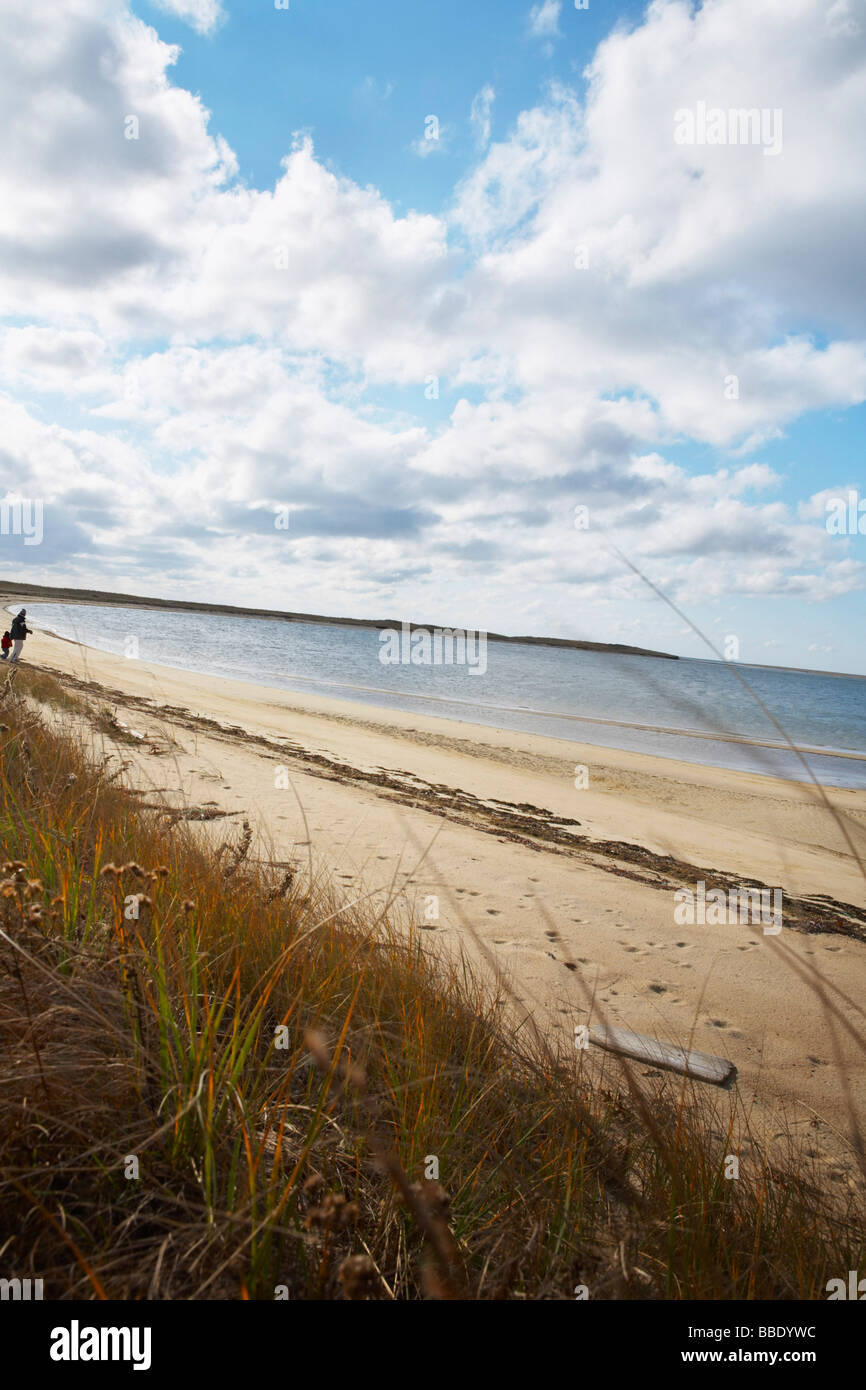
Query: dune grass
[(217, 1081)]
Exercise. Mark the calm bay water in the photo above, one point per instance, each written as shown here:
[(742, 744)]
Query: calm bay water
[(689, 709)]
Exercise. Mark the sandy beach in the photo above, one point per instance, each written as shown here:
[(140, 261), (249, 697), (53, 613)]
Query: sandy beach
[(569, 891)]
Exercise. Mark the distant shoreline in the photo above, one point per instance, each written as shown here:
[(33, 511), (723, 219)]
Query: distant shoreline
[(45, 593)]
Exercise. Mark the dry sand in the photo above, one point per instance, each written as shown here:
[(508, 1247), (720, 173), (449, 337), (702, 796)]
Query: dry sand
[(570, 891)]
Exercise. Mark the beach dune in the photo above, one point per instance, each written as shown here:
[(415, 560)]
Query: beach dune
[(555, 862)]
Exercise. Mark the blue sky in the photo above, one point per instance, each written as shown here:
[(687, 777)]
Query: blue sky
[(362, 79), (275, 291)]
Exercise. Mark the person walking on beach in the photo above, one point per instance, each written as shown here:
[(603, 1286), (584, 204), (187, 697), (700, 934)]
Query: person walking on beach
[(5, 644), (19, 631)]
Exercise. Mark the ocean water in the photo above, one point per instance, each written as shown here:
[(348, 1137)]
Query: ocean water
[(690, 709)]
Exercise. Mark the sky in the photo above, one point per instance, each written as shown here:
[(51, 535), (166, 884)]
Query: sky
[(474, 314)]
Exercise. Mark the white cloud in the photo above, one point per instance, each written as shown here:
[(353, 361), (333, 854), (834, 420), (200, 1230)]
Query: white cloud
[(205, 16), (49, 358), (544, 19), (435, 140), (609, 251), (373, 91), (479, 115)]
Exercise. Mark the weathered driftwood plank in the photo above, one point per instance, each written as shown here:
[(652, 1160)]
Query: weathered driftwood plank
[(717, 1070)]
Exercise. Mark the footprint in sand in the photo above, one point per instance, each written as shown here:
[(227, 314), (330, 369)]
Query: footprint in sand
[(659, 989)]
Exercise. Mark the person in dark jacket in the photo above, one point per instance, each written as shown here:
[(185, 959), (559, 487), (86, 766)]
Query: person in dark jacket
[(19, 631)]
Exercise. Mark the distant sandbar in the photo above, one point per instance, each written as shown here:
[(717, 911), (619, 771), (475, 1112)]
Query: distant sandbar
[(46, 593)]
